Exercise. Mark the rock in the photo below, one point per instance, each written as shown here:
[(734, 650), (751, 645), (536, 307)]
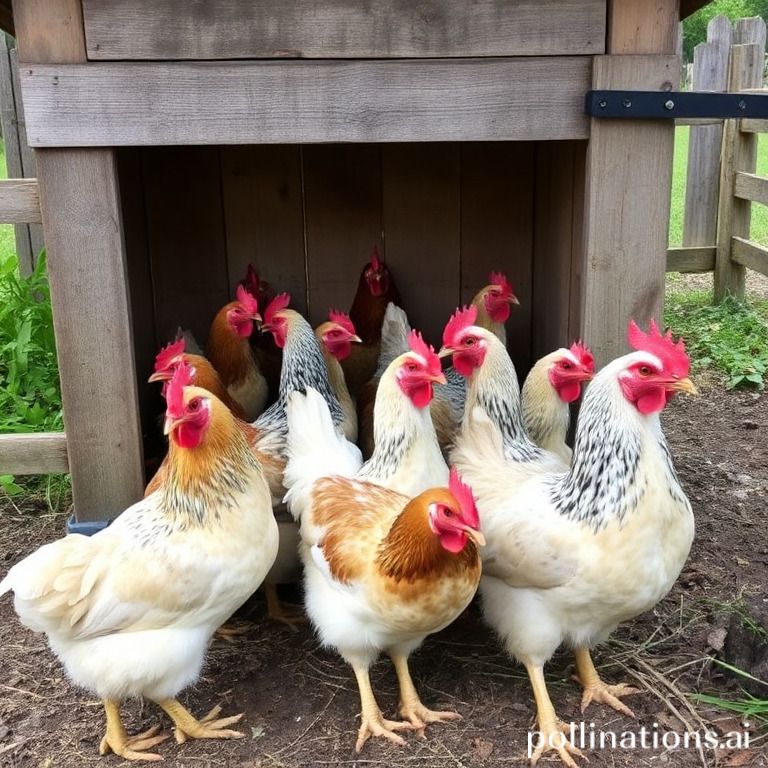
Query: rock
[(746, 645), (716, 638)]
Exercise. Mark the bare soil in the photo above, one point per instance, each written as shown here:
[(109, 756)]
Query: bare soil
[(301, 704)]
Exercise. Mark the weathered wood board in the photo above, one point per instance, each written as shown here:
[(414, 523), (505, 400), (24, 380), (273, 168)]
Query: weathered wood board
[(336, 29)]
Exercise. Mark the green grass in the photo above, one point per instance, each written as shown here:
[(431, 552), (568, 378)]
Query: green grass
[(759, 230), (7, 238)]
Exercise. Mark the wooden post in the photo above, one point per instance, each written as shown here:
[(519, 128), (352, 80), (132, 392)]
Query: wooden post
[(86, 265), (739, 153), (710, 73), (628, 181)]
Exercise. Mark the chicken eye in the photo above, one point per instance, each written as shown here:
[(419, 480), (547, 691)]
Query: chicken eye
[(644, 370), (469, 341), (194, 404), (448, 512), (565, 365), (412, 367)]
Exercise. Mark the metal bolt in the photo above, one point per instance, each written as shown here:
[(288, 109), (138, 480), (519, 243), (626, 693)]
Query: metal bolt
[(603, 103), (669, 104), (627, 103), (742, 104)]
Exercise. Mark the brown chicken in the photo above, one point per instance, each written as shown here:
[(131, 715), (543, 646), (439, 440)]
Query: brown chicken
[(375, 290)]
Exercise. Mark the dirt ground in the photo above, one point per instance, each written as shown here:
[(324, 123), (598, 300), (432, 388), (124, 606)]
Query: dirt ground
[(300, 702)]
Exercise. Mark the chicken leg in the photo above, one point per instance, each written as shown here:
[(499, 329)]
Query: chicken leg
[(277, 612), (552, 731), (373, 722), (595, 689), (411, 707), (208, 727), (128, 747)]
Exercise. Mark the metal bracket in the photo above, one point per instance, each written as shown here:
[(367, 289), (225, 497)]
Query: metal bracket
[(660, 105), (85, 527)]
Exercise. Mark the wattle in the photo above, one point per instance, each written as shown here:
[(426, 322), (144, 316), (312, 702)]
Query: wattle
[(500, 312), (463, 365), (340, 349), (421, 395), (188, 435), (453, 541), (244, 328), (569, 391), (652, 401)]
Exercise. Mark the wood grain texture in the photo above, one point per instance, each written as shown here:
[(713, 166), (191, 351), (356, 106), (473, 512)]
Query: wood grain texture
[(710, 73), (691, 259), (421, 196), (749, 186), (639, 26), (185, 229), (342, 187), (263, 217), (87, 272), (751, 125), (19, 201), (35, 454), (749, 254), (334, 29), (282, 102), (629, 174), (50, 31)]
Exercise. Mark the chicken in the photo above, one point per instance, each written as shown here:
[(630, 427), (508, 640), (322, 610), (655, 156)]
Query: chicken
[(572, 554), (203, 373), (382, 571), (376, 289), (493, 304), (406, 455), (229, 352), (551, 385), (130, 611), (336, 336)]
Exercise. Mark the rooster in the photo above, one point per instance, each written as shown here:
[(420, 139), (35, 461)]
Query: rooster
[(494, 303), (382, 571), (229, 351), (552, 384), (572, 554), (336, 336), (376, 289), (130, 611)]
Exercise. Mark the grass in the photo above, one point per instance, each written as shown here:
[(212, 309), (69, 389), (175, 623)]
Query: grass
[(759, 231)]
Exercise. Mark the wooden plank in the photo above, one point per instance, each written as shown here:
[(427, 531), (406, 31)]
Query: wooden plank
[(342, 188), (710, 73), (263, 216), (636, 27), (334, 29), (679, 121), (421, 230), (750, 30), (698, 259), (185, 231), (497, 230), (282, 102), (749, 254), (19, 201), (628, 173), (49, 31), (749, 186), (87, 273), (739, 153), (34, 454), (753, 125)]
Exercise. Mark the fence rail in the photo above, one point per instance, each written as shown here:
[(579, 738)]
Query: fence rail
[(36, 453)]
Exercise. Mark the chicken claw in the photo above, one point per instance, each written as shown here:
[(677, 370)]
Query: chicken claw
[(419, 716), (553, 735), (375, 724), (208, 727), (277, 612), (595, 689), (128, 747)]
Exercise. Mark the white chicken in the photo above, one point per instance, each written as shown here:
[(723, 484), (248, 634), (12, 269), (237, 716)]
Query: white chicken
[(130, 611), (573, 554)]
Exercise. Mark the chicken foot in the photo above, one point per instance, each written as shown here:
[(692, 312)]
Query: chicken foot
[(552, 731), (277, 612), (208, 727), (373, 721), (128, 747), (411, 707), (595, 689)]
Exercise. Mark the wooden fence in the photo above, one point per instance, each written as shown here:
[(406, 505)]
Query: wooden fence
[(721, 184)]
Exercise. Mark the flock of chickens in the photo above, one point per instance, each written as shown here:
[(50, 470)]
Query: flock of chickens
[(563, 545)]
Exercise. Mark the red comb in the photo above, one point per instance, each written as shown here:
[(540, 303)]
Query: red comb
[(376, 261), (671, 353), (280, 302), (500, 279), (462, 318), (342, 319), (174, 394), (584, 355), (427, 351), (169, 353), (465, 497), (247, 300), (252, 281)]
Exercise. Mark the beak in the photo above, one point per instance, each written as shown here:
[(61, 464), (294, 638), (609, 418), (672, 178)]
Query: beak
[(445, 352), (438, 379), (169, 424), (684, 385), (475, 535), (513, 299), (356, 338), (158, 376), (265, 327), (256, 317)]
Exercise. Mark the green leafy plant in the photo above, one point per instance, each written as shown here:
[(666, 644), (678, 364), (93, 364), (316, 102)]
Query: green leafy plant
[(731, 337)]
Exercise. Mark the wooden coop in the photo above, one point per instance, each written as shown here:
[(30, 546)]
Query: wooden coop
[(177, 141)]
